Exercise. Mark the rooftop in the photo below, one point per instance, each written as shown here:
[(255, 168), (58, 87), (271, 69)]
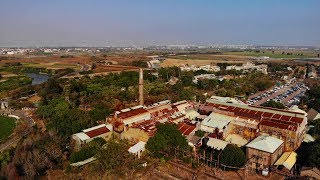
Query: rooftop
[(287, 159), (137, 147), (265, 143), (217, 143), (124, 114), (185, 128), (216, 120), (278, 118)]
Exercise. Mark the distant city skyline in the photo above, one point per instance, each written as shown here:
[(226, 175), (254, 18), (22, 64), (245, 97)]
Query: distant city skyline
[(159, 22)]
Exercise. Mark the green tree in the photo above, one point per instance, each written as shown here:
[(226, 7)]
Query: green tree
[(232, 155), (115, 158), (99, 113), (313, 159), (273, 104), (166, 139)]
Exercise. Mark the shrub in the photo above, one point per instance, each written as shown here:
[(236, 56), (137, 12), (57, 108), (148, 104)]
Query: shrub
[(83, 154)]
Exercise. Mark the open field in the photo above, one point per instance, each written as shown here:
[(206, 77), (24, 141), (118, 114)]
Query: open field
[(13, 83), (50, 62), (111, 68), (7, 125), (52, 65), (198, 62), (218, 57), (276, 54)]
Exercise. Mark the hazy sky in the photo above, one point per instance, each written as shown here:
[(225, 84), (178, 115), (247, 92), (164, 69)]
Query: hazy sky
[(162, 22)]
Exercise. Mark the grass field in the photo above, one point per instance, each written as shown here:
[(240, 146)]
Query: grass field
[(197, 62), (276, 54), (7, 126), (12, 83), (51, 65)]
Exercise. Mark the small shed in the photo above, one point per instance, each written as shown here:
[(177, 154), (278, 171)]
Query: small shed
[(137, 149)]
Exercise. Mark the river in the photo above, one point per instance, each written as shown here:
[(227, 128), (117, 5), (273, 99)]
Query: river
[(38, 78)]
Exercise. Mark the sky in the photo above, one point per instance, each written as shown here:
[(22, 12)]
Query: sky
[(159, 22)]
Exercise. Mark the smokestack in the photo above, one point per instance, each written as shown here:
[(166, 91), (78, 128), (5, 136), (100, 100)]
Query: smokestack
[(141, 99)]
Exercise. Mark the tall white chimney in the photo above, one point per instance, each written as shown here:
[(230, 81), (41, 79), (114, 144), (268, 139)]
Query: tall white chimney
[(141, 99)]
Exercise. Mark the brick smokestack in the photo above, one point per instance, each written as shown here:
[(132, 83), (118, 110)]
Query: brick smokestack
[(141, 99)]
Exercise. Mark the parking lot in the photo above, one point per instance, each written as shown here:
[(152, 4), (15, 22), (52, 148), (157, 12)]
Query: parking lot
[(289, 94)]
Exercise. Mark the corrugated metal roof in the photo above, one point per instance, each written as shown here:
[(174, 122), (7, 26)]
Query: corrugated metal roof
[(217, 120), (265, 143), (185, 129), (288, 159), (280, 118), (236, 139), (97, 132), (131, 113), (217, 143)]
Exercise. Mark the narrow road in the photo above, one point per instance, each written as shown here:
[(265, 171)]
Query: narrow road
[(16, 137)]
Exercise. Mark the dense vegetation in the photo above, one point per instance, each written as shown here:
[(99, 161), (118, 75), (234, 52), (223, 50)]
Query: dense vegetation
[(315, 130), (64, 118), (312, 98), (309, 154), (273, 104), (233, 156), (7, 125), (166, 140), (115, 158), (90, 150), (13, 83), (34, 155)]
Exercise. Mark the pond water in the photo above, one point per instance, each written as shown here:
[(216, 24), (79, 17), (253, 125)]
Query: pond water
[(38, 78)]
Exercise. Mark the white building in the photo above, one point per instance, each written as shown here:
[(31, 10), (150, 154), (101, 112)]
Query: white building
[(249, 66), (137, 149), (87, 135), (216, 121), (203, 76)]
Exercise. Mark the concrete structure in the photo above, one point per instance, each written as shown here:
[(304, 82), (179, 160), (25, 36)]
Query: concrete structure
[(4, 104), (263, 151), (137, 149)]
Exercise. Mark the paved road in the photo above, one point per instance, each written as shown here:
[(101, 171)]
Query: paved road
[(16, 137)]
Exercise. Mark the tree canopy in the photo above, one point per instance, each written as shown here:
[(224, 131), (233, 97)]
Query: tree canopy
[(166, 139), (232, 155), (273, 104)]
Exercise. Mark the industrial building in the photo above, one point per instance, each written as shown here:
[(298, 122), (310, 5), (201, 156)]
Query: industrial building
[(250, 121)]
